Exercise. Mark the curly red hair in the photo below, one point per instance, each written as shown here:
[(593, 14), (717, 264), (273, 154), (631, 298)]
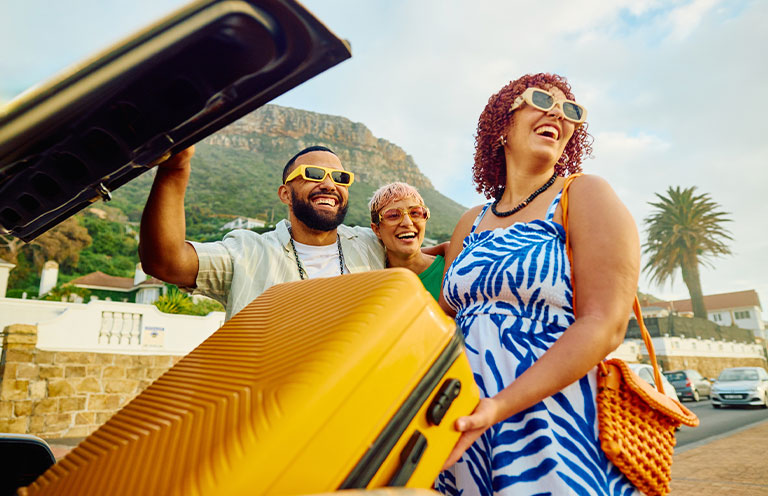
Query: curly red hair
[(489, 170)]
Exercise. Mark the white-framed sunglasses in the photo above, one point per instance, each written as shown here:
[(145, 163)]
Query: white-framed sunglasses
[(544, 100), (417, 213)]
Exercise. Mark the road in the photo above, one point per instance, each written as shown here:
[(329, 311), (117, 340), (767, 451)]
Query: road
[(717, 422)]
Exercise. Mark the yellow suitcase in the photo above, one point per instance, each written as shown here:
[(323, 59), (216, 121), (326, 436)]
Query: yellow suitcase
[(347, 382)]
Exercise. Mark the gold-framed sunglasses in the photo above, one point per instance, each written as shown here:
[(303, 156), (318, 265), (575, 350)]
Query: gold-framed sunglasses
[(318, 174), (417, 213), (545, 101)]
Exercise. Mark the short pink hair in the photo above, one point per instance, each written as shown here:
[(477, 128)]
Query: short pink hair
[(389, 193)]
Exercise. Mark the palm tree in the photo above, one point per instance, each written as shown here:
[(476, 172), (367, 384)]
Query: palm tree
[(684, 231)]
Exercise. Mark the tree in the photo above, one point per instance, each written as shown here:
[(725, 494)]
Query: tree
[(685, 231), (9, 247), (63, 243)]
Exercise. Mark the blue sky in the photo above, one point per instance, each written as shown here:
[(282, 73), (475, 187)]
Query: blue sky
[(675, 89)]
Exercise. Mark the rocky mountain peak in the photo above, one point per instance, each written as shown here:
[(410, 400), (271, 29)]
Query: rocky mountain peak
[(372, 159)]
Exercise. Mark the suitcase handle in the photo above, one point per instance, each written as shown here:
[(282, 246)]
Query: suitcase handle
[(409, 459), (443, 400)]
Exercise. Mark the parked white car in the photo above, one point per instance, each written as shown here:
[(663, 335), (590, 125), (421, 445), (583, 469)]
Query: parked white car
[(645, 372), (741, 386)]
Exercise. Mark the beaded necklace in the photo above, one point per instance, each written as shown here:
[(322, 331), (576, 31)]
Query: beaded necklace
[(303, 273), (524, 202)]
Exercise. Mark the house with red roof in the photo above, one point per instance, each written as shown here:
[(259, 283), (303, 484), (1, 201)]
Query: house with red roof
[(138, 289), (739, 309)]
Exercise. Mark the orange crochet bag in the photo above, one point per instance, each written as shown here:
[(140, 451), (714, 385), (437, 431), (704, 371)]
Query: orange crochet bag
[(636, 423)]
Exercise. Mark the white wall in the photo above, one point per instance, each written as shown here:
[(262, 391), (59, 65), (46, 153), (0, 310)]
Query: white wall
[(109, 327), (676, 346), (5, 269), (629, 351), (49, 277)]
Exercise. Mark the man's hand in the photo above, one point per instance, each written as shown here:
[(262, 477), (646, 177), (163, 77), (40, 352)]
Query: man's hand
[(163, 250), (179, 161), (472, 427), (437, 249)]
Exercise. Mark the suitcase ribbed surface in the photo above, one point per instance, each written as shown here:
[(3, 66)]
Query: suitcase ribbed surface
[(245, 411)]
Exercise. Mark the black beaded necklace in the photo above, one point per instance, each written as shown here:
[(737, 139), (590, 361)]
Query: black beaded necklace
[(524, 202), (302, 272)]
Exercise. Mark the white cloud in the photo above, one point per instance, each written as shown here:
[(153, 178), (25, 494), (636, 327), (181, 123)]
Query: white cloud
[(686, 18), (618, 143), (640, 7)]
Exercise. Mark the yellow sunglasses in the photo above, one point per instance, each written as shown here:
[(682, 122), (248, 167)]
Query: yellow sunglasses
[(545, 101), (318, 174)]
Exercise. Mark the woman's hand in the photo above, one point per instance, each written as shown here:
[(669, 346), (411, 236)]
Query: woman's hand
[(472, 427)]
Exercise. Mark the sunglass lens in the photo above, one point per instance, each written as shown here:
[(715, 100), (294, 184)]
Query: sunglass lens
[(314, 173), (340, 177), (418, 213), (573, 111), (542, 100), (391, 215)]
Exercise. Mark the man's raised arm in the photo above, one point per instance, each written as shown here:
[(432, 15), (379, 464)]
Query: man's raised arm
[(163, 251)]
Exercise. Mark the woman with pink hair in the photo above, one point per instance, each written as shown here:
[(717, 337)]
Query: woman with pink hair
[(399, 218)]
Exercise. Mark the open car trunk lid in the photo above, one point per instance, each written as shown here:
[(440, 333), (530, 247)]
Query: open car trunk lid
[(87, 132)]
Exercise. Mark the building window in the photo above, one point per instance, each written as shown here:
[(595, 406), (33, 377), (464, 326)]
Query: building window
[(743, 314), (717, 317)]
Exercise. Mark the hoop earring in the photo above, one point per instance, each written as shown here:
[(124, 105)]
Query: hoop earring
[(563, 160)]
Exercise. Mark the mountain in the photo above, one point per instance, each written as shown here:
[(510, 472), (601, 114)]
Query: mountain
[(236, 172)]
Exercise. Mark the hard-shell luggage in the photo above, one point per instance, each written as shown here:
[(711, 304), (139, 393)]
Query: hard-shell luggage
[(347, 382)]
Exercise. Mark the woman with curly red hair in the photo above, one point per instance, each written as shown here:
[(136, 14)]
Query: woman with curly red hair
[(510, 285)]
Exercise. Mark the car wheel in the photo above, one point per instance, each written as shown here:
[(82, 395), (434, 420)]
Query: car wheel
[(715, 405), (695, 395)]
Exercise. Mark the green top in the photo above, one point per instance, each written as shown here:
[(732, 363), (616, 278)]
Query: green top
[(432, 278)]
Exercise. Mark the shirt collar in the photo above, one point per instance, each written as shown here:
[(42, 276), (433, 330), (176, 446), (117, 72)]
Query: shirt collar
[(283, 236)]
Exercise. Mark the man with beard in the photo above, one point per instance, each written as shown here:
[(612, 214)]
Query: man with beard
[(234, 271)]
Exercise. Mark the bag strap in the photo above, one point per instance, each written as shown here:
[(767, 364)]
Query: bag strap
[(635, 306)]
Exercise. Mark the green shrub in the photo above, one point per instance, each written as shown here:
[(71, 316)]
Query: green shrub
[(174, 301)]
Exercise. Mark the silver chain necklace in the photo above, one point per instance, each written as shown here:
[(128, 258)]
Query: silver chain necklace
[(302, 272)]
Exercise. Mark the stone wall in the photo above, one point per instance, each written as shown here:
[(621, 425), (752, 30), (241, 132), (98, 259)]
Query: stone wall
[(55, 394)]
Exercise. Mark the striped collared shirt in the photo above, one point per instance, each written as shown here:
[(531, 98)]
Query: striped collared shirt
[(244, 264)]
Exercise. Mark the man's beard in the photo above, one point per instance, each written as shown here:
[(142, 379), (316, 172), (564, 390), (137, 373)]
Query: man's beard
[(318, 221)]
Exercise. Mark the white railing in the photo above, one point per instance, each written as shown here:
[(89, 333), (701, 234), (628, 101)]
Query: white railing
[(120, 328)]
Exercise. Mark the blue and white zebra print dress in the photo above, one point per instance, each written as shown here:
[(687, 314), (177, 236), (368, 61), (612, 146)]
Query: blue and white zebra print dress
[(511, 289)]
